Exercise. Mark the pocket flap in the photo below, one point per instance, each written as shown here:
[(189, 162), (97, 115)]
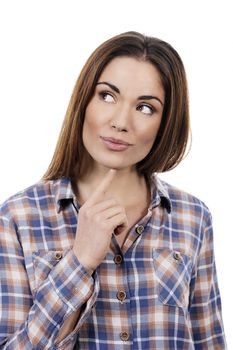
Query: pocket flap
[(43, 263)]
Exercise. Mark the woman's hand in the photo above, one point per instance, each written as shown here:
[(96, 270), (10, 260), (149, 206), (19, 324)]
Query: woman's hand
[(97, 220)]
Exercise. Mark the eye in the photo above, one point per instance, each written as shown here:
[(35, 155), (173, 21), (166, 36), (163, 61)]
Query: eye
[(107, 97), (146, 109)]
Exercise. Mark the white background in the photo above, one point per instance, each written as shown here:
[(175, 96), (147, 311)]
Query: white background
[(43, 45)]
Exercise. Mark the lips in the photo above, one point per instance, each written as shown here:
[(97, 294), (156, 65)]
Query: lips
[(115, 144), (117, 141)]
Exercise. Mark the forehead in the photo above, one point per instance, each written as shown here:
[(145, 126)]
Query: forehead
[(129, 72)]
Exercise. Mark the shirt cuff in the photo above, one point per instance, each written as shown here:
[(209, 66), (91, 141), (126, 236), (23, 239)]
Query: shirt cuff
[(82, 284), (69, 287), (72, 282)]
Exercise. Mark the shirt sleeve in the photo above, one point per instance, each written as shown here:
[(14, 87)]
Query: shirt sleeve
[(205, 303), (28, 322)]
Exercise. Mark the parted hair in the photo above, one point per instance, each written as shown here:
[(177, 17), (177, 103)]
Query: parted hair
[(171, 142)]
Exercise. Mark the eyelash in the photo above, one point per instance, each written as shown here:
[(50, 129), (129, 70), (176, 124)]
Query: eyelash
[(102, 94), (152, 109)]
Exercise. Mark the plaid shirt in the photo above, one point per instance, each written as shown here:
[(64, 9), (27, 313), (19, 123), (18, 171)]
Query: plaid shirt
[(159, 291)]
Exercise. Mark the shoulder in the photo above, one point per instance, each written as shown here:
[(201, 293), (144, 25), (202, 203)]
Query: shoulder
[(39, 195), (183, 202), (189, 216), (29, 194)]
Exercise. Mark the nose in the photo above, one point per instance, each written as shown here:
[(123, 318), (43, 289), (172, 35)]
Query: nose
[(121, 120), (117, 127)]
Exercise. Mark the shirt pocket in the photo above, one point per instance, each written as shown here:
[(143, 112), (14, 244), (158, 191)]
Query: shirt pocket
[(43, 263), (173, 274)]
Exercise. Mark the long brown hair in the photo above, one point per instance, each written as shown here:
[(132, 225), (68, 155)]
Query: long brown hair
[(171, 141)]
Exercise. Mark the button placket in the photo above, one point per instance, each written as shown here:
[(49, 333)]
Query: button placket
[(121, 292)]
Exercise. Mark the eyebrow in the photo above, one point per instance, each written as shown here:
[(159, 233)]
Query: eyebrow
[(143, 97)]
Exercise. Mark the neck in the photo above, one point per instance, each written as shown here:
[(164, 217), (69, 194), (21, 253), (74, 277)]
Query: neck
[(125, 187)]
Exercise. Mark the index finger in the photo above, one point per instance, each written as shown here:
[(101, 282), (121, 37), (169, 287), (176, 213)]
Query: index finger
[(102, 187)]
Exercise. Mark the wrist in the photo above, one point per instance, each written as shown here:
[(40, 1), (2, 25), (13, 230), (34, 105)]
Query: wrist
[(85, 262)]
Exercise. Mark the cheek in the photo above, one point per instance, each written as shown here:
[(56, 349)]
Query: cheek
[(90, 123), (88, 119), (95, 118), (148, 137), (87, 130), (87, 126)]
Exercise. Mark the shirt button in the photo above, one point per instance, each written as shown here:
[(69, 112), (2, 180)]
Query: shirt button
[(176, 255), (118, 259), (124, 336), (121, 295), (139, 229), (58, 256)]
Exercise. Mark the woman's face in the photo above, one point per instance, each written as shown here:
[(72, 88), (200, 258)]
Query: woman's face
[(123, 117)]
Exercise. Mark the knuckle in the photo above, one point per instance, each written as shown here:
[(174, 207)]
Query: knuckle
[(122, 209), (103, 225), (97, 218), (114, 201), (106, 227)]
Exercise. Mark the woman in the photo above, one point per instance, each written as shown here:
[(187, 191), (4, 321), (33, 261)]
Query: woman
[(101, 254)]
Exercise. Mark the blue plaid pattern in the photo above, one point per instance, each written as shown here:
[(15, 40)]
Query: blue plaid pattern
[(159, 291)]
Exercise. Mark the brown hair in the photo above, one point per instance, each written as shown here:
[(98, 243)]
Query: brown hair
[(171, 141)]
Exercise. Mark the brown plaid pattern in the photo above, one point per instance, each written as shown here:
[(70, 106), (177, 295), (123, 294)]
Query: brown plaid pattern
[(159, 291)]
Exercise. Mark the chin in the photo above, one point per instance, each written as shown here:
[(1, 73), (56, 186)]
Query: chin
[(113, 165)]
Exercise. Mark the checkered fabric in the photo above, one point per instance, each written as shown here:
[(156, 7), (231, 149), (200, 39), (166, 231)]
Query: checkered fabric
[(159, 291)]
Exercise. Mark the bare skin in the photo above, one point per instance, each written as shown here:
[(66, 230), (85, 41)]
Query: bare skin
[(127, 188), (98, 218)]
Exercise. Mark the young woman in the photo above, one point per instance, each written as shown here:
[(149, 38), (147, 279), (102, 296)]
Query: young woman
[(102, 254)]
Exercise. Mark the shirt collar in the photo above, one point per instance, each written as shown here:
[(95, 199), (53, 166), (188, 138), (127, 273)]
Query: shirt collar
[(64, 193), (159, 193)]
